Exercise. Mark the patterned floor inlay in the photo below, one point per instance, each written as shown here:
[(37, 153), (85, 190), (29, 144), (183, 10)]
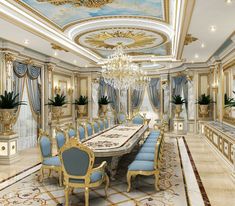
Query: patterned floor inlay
[(30, 192)]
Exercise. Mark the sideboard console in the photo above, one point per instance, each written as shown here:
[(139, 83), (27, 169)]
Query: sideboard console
[(222, 136)]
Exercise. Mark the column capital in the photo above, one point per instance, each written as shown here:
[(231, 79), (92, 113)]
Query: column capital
[(50, 67), (9, 57)]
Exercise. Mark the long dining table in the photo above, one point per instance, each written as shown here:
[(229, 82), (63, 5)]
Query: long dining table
[(111, 144)]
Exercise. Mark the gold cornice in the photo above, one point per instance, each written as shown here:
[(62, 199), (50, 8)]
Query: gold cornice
[(63, 28), (228, 65), (57, 47)]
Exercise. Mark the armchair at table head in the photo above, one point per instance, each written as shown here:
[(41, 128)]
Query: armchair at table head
[(48, 161), (77, 166), (61, 138), (71, 131), (138, 119), (121, 118), (81, 131)]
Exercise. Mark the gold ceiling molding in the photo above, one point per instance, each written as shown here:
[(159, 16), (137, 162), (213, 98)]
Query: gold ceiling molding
[(43, 17), (139, 38), (189, 39), (79, 3), (57, 47)]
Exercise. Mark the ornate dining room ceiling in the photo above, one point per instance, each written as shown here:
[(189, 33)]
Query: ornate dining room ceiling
[(66, 12), (150, 30)]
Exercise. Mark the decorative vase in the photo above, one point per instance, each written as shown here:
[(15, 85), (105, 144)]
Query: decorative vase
[(204, 110), (227, 111), (81, 110), (57, 112), (178, 110), (7, 119), (104, 108)]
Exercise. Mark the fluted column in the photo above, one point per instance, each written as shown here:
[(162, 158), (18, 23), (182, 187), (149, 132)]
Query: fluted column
[(9, 58)]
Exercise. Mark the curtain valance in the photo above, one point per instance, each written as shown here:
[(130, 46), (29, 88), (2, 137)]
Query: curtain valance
[(21, 69)]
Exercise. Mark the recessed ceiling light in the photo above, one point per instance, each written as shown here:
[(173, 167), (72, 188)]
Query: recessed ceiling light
[(202, 45), (75, 61), (26, 41), (55, 53), (212, 28), (196, 56), (228, 1)]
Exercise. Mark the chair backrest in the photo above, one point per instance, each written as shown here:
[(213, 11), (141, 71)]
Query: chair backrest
[(121, 118), (45, 144), (89, 129), (138, 119), (60, 138), (71, 131), (81, 132), (77, 161), (96, 128), (101, 124), (106, 123)]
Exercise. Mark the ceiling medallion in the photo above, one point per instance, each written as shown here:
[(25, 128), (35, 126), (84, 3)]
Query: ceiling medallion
[(79, 3), (129, 39), (189, 39), (57, 47)]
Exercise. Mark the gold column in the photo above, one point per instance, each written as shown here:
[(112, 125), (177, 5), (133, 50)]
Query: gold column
[(220, 98)]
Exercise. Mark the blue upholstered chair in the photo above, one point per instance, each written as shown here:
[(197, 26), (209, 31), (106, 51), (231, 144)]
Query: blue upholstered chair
[(81, 132), (96, 128), (145, 167), (77, 166), (101, 124), (71, 131), (48, 161), (138, 119), (61, 138), (89, 129), (106, 122), (121, 118)]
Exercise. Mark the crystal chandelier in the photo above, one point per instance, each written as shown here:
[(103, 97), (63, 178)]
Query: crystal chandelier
[(119, 71), (142, 80)]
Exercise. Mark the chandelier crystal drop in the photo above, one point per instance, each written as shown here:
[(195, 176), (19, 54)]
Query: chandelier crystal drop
[(119, 71)]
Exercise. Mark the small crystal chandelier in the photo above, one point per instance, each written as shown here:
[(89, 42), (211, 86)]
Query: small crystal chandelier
[(142, 80), (119, 72)]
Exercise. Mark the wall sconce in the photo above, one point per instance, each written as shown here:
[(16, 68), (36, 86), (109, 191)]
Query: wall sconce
[(70, 91), (215, 86), (57, 90)]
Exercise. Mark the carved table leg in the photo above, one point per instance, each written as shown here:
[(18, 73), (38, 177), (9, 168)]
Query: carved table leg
[(113, 167)]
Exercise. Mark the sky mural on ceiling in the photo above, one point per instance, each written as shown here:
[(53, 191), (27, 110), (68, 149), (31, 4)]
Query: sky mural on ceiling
[(64, 12)]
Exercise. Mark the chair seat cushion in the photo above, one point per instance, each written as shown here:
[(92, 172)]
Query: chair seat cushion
[(149, 144), (151, 141), (52, 161), (138, 165), (145, 156), (152, 137), (95, 176), (147, 150), (154, 133)]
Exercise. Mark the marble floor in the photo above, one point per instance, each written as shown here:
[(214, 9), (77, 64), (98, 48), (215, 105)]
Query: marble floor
[(215, 176), (29, 191)]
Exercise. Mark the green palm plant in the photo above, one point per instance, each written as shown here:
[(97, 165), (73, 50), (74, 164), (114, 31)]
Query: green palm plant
[(177, 99), (82, 100), (228, 101), (58, 101), (204, 100), (104, 100), (8, 100)]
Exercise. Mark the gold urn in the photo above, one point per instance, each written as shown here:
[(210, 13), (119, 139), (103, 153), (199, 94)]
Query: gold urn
[(81, 110), (178, 110), (7, 119), (204, 110), (104, 108), (57, 112)]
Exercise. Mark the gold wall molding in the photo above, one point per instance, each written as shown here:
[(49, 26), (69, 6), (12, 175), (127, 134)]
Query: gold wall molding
[(189, 39), (57, 47)]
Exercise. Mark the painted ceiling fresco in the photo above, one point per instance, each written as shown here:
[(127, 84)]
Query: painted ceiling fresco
[(64, 12)]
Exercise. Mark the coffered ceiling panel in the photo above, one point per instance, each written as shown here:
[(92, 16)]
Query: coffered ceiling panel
[(65, 12)]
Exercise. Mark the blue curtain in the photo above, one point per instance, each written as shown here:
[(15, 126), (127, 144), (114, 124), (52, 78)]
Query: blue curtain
[(154, 93), (136, 98), (113, 97), (32, 75), (179, 84)]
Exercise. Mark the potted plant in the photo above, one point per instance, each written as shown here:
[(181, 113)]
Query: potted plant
[(8, 107), (57, 104), (103, 102), (81, 102), (204, 101), (228, 102), (178, 101)]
